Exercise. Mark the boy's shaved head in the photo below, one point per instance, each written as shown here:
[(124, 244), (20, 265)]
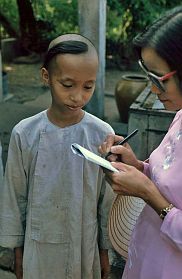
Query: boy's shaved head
[(69, 44), (71, 37)]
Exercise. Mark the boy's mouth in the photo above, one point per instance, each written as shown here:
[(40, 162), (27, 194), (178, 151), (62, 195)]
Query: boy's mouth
[(74, 107)]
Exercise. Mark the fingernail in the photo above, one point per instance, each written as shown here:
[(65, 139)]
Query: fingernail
[(107, 149), (112, 148)]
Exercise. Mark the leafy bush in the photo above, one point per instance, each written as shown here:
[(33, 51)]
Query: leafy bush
[(124, 20), (62, 15), (9, 9)]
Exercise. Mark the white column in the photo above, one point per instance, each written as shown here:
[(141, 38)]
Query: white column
[(92, 24)]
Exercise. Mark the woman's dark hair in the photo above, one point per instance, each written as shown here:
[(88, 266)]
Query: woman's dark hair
[(165, 37), (71, 47)]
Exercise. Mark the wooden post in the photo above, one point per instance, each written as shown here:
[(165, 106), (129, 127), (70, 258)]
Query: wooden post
[(92, 24)]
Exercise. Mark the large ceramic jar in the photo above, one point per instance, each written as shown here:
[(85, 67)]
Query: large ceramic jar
[(127, 90)]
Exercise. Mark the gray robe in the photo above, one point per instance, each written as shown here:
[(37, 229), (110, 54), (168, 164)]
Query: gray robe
[(54, 202)]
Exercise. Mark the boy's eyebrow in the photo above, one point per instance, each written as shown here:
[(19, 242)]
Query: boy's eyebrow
[(66, 78), (70, 79)]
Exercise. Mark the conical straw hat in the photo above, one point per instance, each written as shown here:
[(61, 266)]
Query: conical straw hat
[(122, 219)]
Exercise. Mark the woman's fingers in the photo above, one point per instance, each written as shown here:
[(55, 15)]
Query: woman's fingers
[(118, 149), (128, 181), (120, 166), (125, 154), (116, 188), (103, 148), (112, 158), (111, 139)]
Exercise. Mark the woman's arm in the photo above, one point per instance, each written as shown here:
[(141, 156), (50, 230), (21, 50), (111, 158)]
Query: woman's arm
[(130, 181)]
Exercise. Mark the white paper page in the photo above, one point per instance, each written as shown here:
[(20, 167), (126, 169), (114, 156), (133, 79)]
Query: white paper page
[(83, 152)]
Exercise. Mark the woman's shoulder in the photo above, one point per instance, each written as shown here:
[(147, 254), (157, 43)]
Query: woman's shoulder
[(178, 115), (177, 119)]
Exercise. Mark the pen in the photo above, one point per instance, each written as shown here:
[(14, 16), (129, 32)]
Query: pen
[(122, 141)]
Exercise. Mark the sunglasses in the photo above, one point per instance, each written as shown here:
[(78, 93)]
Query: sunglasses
[(158, 81)]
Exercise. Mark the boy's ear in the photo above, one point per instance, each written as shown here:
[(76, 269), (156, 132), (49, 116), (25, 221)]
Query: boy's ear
[(45, 76)]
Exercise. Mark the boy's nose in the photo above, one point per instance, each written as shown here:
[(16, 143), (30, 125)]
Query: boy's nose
[(76, 97)]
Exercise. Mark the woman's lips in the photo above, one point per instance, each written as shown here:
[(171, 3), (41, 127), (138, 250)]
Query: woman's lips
[(163, 101)]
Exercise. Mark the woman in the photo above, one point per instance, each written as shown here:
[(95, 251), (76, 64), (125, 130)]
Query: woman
[(155, 250)]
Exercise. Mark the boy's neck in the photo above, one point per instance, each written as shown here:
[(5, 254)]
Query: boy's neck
[(61, 120)]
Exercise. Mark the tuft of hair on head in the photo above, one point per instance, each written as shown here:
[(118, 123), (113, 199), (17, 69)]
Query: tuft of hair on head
[(68, 44)]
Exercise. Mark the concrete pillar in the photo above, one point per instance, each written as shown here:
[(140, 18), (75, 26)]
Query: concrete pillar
[(92, 24)]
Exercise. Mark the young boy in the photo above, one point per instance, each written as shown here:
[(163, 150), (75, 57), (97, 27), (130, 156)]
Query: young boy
[(54, 203)]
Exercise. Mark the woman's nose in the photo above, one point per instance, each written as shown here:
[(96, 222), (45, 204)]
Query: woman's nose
[(155, 89)]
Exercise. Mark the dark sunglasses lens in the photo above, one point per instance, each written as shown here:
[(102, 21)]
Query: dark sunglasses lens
[(156, 82)]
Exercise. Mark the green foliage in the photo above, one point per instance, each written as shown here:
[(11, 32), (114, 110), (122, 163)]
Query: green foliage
[(61, 15), (118, 24), (54, 17), (124, 18), (10, 10)]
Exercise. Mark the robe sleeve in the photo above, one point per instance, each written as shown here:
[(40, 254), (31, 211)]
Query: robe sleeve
[(105, 201), (146, 169), (171, 229), (13, 199)]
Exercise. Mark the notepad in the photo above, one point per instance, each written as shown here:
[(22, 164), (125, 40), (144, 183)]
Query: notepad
[(92, 157)]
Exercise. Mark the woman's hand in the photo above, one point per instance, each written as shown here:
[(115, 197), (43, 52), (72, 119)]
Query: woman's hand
[(111, 139), (129, 181), (120, 153)]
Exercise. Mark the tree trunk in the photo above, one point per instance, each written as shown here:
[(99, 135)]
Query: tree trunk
[(28, 25)]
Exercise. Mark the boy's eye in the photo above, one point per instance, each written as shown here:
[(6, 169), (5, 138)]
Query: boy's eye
[(66, 85), (88, 87)]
